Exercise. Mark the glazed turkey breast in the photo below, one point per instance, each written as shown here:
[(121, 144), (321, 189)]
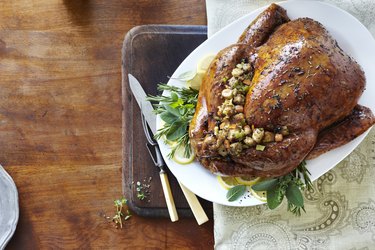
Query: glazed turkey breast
[(284, 92)]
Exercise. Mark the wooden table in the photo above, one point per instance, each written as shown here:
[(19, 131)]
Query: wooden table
[(60, 122)]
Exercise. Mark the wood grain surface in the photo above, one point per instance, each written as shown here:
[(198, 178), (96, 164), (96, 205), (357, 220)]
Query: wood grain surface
[(60, 122)]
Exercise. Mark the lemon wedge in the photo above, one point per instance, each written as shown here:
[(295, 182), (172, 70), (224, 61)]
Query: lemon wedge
[(248, 181), (196, 82), (227, 182), (179, 156), (202, 67), (260, 195), (204, 63)]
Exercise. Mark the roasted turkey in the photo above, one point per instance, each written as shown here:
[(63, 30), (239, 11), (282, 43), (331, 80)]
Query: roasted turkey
[(284, 92)]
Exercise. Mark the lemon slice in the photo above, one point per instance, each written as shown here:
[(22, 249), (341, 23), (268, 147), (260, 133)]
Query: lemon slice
[(202, 67), (260, 195), (227, 182), (196, 82), (179, 156), (204, 63), (248, 181)]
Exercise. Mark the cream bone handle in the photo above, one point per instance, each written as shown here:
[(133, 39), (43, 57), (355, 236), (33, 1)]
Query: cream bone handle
[(195, 206), (168, 196)]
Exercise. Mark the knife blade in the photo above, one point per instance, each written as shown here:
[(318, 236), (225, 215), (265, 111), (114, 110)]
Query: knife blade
[(140, 96), (150, 117)]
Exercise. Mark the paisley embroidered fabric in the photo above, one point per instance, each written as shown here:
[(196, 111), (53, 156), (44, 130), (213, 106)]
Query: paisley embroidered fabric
[(341, 211)]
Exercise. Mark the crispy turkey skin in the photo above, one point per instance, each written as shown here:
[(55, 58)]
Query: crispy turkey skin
[(300, 79)]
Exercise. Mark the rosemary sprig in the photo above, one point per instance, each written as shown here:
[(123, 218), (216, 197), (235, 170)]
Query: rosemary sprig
[(177, 111), (178, 97)]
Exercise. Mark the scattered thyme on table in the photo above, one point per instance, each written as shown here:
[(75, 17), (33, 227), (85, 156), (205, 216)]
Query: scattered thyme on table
[(122, 212)]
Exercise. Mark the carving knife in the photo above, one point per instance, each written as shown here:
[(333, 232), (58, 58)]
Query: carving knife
[(149, 117)]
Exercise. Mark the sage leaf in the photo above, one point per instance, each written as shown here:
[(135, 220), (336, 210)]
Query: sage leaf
[(187, 76), (265, 185), (236, 192), (179, 102), (274, 198), (168, 117), (172, 128), (174, 96), (179, 131), (294, 195), (173, 111)]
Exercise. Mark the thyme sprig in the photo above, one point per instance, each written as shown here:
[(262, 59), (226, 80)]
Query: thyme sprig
[(122, 213), (177, 111)]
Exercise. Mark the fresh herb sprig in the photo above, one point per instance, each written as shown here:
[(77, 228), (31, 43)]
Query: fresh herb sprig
[(177, 111), (288, 186), (122, 213)]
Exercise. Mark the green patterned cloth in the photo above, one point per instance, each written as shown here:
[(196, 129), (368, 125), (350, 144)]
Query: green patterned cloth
[(341, 211)]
